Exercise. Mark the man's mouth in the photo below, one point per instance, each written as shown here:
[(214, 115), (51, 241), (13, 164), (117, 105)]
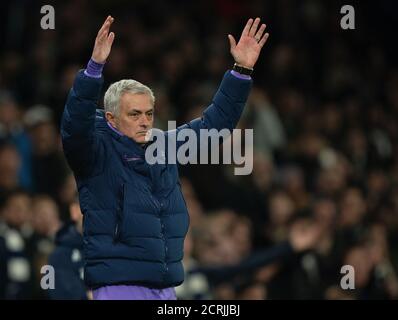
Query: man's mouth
[(145, 133)]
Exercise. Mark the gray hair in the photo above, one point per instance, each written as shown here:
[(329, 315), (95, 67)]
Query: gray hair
[(117, 89)]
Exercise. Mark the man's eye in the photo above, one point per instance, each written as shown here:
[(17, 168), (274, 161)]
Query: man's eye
[(150, 114)]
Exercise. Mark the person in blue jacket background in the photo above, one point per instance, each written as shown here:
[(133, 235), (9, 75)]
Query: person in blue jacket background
[(135, 216), (67, 259)]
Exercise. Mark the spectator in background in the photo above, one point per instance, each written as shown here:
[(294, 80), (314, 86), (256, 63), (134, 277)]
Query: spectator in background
[(226, 273), (352, 216), (17, 212), (17, 278), (368, 285), (45, 223), (45, 215), (380, 255), (281, 213), (13, 131), (195, 286), (10, 162), (67, 259), (293, 181), (261, 116), (66, 196), (48, 164)]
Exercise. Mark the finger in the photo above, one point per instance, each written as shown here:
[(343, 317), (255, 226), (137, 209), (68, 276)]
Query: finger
[(108, 25), (246, 29), (110, 39), (232, 41), (105, 32), (260, 32), (254, 26), (103, 25), (263, 40)]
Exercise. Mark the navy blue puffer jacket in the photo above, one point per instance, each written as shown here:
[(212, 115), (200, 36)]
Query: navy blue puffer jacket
[(135, 216)]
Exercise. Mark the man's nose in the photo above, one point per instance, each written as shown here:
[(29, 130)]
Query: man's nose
[(144, 122)]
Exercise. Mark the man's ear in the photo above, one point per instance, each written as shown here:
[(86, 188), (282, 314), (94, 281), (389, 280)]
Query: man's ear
[(111, 119)]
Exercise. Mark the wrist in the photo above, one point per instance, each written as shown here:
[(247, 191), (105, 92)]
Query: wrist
[(97, 61), (94, 69), (241, 69), (244, 65)]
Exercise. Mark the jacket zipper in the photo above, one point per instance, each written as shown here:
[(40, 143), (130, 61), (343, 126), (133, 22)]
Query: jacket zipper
[(119, 215)]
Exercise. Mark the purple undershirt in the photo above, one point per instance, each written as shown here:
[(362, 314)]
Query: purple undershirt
[(240, 76), (130, 292), (94, 69), (124, 292)]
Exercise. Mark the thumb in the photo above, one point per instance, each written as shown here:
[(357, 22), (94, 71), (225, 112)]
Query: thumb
[(232, 42)]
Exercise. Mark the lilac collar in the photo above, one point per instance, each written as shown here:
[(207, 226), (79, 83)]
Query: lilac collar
[(114, 129)]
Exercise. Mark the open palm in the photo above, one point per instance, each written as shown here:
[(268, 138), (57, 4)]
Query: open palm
[(103, 42), (248, 49)]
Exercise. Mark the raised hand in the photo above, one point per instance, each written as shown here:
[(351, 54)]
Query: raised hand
[(251, 41), (103, 42)]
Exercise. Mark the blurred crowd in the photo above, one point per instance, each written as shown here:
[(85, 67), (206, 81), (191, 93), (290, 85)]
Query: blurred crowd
[(324, 188)]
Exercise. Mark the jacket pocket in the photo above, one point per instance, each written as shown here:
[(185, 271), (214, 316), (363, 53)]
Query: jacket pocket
[(119, 214)]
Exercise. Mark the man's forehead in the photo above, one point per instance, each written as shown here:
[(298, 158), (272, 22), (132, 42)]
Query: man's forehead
[(137, 101)]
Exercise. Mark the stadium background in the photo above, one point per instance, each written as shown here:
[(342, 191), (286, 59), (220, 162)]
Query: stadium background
[(323, 108)]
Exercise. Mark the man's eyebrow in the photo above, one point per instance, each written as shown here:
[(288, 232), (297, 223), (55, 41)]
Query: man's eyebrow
[(139, 111)]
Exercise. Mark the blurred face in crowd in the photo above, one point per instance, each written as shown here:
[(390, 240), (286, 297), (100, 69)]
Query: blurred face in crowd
[(352, 208), (44, 138), (332, 119), (356, 142), (333, 177), (281, 208), (311, 144), (10, 162), (264, 170), (294, 180), (241, 231), (9, 112), (358, 257), (45, 216), (325, 213), (216, 244), (378, 243), (135, 117), (377, 182), (17, 210)]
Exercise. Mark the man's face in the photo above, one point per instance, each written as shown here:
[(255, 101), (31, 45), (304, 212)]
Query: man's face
[(135, 117)]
